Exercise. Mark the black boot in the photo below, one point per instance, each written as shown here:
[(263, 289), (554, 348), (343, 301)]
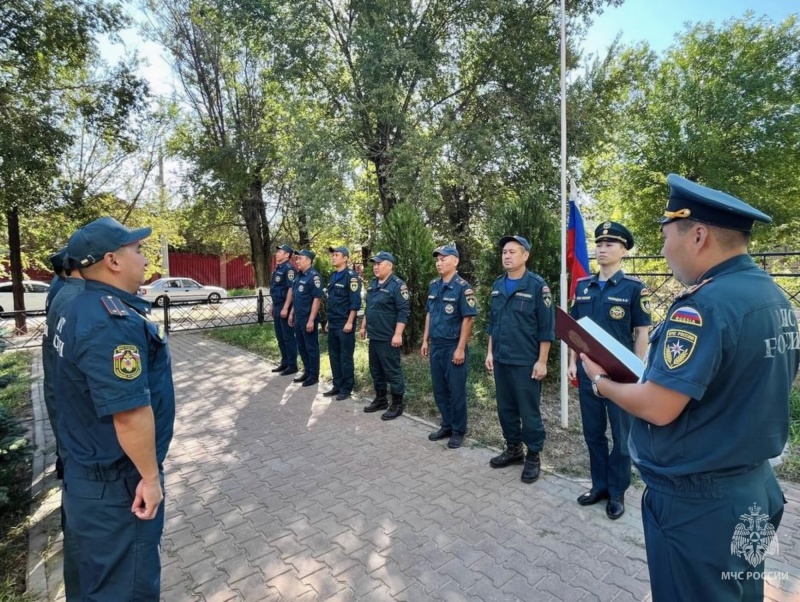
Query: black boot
[(395, 410), (530, 472), (512, 454), (381, 402)]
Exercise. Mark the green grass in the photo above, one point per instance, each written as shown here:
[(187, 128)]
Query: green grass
[(790, 469), (483, 425), (15, 395)]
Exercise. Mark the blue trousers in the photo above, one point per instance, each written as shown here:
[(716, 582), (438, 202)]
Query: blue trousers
[(611, 471), (449, 385), (703, 542), (385, 368), (341, 347), (518, 397), (285, 336), (118, 555), (308, 346)]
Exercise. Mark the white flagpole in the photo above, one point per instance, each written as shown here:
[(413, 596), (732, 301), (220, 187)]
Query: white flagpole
[(563, 287)]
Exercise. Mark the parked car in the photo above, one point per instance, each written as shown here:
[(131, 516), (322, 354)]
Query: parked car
[(178, 290), (35, 296)]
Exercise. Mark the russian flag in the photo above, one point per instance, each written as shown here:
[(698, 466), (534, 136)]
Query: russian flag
[(577, 254)]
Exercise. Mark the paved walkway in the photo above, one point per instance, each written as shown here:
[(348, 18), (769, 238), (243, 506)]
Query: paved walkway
[(275, 493)]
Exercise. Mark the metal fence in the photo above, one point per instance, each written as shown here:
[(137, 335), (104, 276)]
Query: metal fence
[(257, 309), (176, 317)]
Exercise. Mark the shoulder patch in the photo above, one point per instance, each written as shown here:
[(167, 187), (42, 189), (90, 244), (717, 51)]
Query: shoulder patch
[(290, 275), (678, 347), (317, 281), (686, 315), (354, 284), (127, 362), (114, 306), (404, 291)]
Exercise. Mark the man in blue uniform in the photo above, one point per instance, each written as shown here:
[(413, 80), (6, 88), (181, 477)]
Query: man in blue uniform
[(450, 308), (713, 405), (58, 261), (281, 290), (384, 321), (621, 306), (344, 301), (304, 316), (521, 329), (115, 409)]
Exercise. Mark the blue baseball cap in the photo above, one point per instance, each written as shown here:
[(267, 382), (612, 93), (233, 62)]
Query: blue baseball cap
[(691, 200), (307, 253), (446, 250), (59, 259), (523, 241), (382, 256), (343, 250), (286, 248), (105, 235)]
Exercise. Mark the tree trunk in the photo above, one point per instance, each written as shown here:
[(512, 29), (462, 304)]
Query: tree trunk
[(303, 238), (252, 211), (15, 259), (456, 202)]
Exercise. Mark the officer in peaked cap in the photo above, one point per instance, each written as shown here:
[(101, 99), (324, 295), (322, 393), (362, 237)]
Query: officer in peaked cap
[(116, 408), (451, 308), (620, 305), (280, 289), (344, 301), (521, 330), (385, 317), (713, 405), (304, 316)]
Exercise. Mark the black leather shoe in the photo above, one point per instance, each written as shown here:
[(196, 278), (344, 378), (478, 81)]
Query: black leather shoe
[(280, 368), (310, 382), (530, 472), (591, 497), (331, 392), (615, 507), (289, 371), (455, 441), (301, 378), (512, 454), (342, 396), (442, 433)]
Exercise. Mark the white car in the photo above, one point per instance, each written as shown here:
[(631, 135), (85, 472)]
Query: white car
[(178, 290), (35, 296)]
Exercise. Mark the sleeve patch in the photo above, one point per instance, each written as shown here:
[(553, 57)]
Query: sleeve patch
[(354, 284), (127, 362), (687, 315), (678, 347), (404, 291)]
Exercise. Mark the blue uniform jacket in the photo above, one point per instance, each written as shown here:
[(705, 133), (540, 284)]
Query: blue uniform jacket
[(110, 359), (622, 305), (55, 285), (282, 280), (387, 306), (344, 296), (448, 304), (307, 287), (731, 344), (518, 322)]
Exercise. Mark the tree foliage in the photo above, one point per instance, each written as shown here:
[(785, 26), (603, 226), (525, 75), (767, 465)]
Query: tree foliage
[(722, 107), (405, 235)]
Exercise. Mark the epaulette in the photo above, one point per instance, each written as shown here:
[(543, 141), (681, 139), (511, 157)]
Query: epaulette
[(499, 277), (634, 278), (114, 306), (692, 289), (586, 278), (461, 281), (434, 281)]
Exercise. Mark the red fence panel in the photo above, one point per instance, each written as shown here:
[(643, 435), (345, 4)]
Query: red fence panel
[(239, 273)]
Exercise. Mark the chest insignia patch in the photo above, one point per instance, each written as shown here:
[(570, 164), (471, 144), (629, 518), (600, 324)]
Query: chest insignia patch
[(448, 309), (127, 362), (678, 347), (687, 315), (617, 312), (301, 288), (277, 278)]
